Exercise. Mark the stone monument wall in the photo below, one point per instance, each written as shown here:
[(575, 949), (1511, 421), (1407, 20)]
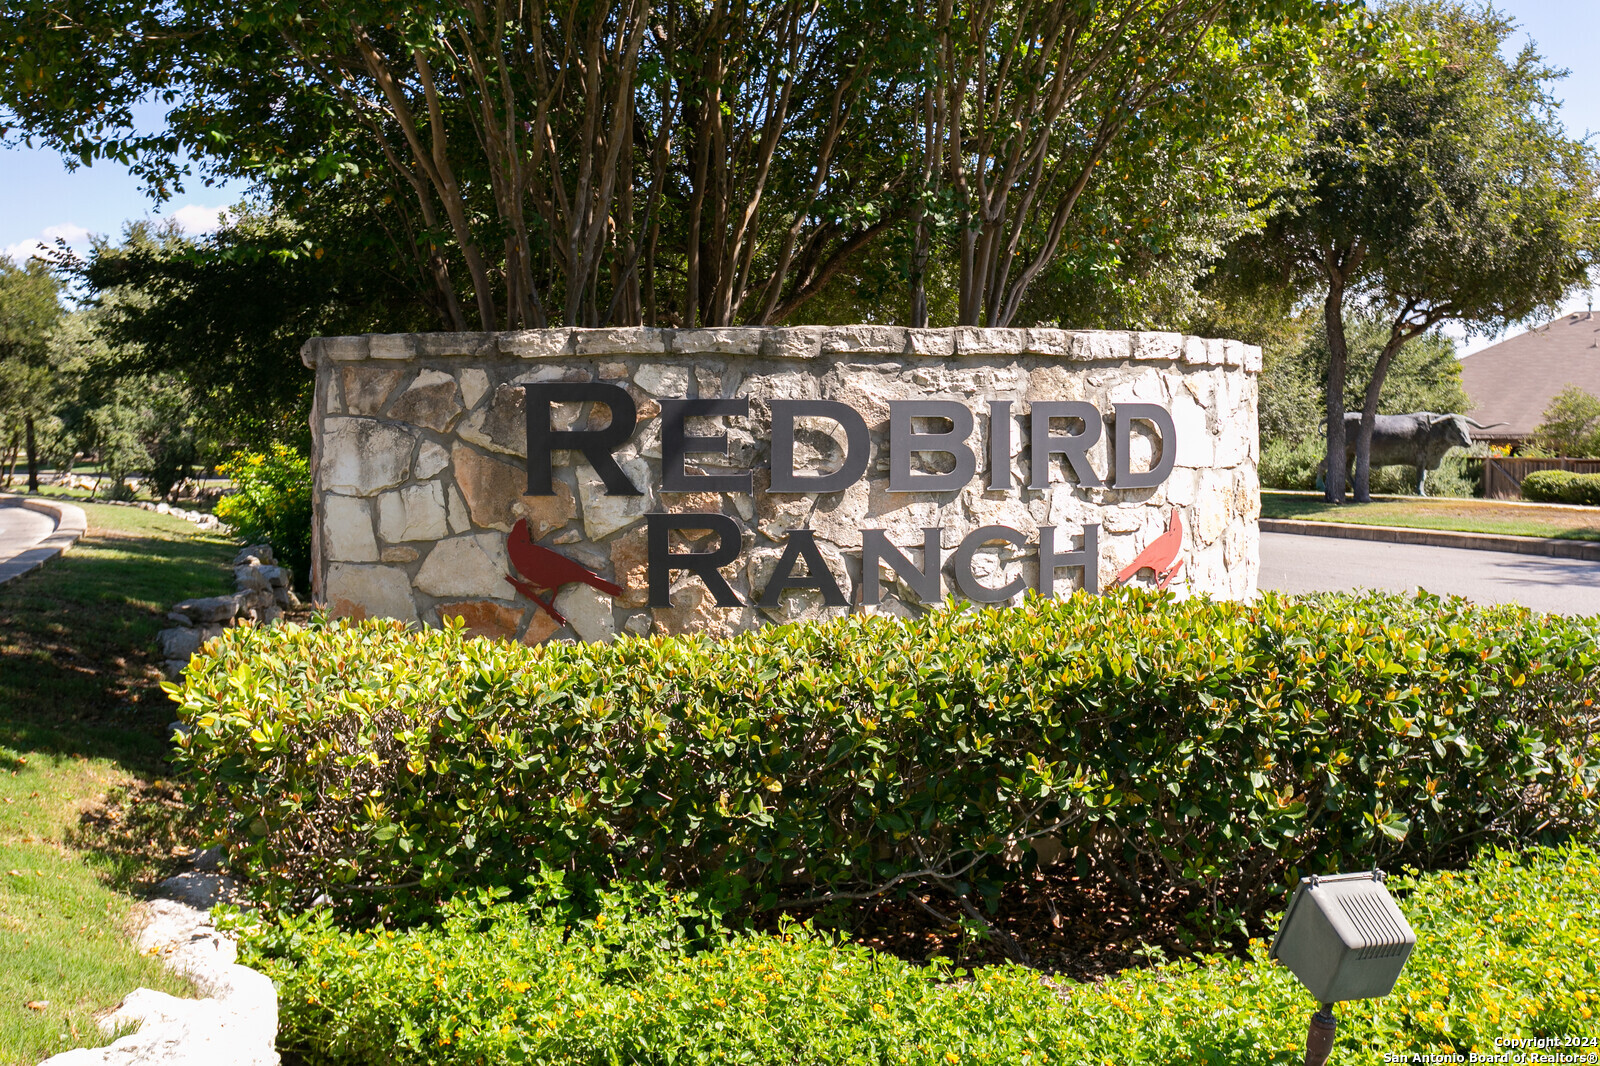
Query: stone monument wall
[(425, 487)]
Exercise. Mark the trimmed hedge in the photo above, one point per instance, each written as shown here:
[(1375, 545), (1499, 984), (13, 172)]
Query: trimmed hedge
[(1509, 951), (1220, 747), (1562, 486)]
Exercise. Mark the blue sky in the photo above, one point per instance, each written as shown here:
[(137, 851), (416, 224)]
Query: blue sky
[(40, 199)]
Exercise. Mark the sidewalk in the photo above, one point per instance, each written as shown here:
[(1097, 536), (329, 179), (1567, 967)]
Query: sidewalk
[(33, 531)]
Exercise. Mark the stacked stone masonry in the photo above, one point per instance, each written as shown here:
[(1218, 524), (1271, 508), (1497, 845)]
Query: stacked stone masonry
[(420, 453), (262, 592)]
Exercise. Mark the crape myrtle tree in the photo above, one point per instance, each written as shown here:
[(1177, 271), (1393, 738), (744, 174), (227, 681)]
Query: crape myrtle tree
[(1440, 186), (700, 163)]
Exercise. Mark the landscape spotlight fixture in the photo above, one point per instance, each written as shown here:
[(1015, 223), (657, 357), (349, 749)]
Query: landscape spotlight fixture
[(1344, 937)]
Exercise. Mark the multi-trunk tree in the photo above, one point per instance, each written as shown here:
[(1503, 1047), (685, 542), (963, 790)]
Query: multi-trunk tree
[(680, 162)]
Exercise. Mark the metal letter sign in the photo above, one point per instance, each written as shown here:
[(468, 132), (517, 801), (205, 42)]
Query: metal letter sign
[(543, 571)]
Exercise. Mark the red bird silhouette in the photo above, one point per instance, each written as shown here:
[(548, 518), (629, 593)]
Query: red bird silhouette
[(1158, 555), (545, 569)]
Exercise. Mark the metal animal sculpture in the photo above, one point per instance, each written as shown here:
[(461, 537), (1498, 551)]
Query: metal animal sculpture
[(542, 568), (1419, 439), (1160, 555)]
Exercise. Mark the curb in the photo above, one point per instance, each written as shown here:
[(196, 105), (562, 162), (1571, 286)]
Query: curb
[(1439, 538), (71, 523)]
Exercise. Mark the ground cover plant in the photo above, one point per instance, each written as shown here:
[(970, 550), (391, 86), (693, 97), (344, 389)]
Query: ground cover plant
[(1562, 486), (1211, 749), (1510, 948), (86, 818), (1465, 516)]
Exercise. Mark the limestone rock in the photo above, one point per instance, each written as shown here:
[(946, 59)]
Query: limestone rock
[(694, 611), (474, 384), (209, 609), (199, 889), (400, 554), (261, 553), (485, 618), (630, 567), (366, 389), (234, 1025), (179, 643), (541, 627), (604, 514), (537, 343), (415, 512), (665, 382), (347, 530), (431, 458), (251, 577), (502, 426), (430, 401), (494, 493), (588, 611), (460, 520), (356, 591), (473, 566), (362, 456)]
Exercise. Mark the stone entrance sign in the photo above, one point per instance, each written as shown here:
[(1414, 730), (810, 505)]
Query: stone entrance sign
[(586, 482)]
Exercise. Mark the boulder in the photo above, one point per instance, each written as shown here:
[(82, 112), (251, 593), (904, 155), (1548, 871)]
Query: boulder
[(178, 643)]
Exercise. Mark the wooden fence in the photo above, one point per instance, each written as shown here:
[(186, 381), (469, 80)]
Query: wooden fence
[(1502, 478)]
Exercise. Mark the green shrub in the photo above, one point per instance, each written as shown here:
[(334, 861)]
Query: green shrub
[(271, 502), (1562, 486), (1299, 466), (1510, 950), (1292, 466), (1214, 746)]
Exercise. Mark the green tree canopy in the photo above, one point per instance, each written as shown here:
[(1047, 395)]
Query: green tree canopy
[(1441, 186), (1571, 425), (693, 162), (29, 310)]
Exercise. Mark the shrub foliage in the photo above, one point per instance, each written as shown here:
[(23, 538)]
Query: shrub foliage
[(1562, 486), (1216, 746), (1508, 950), (271, 502)]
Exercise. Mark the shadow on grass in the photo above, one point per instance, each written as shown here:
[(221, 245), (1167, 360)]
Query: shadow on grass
[(80, 678), (79, 670)]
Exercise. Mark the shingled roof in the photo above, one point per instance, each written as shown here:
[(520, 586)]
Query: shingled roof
[(1514, 381)]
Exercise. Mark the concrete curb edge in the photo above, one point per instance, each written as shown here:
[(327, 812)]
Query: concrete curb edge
[(1439, 538), (71, 524)]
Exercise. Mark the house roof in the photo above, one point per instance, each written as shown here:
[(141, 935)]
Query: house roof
[(1514, 381)]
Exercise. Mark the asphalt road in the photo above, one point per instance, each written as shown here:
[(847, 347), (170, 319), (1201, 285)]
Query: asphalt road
[(1292, 563)]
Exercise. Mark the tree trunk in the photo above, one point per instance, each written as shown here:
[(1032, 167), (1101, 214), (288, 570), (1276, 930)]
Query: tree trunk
[(1369, 415), (33, 456), (11, 463), (1338, 361)]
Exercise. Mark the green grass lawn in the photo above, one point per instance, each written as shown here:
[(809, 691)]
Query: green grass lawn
[(85, 820), (1461, 515)]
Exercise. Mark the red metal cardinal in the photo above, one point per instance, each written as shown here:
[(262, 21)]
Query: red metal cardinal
[(545, 569), (1158, 555)]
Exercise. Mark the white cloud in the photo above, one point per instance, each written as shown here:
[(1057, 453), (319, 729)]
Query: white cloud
[(44, 245), (22, 251), (196, 218), (67, 231)]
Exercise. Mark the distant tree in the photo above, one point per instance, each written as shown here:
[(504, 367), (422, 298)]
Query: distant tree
[(226, 314), (1441, 186), (29, 310), (1423, 376), (1571, 425)]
